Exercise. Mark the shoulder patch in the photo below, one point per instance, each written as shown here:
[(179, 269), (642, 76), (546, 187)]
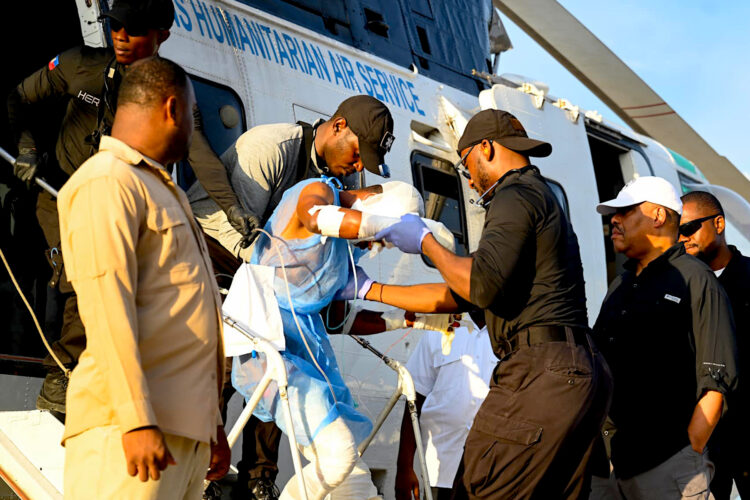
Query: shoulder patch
[(53, 63)]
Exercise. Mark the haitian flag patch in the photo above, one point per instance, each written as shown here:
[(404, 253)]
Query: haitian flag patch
[(53, 63)]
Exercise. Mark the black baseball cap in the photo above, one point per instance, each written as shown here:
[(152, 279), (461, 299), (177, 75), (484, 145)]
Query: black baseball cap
[(141, 15), (503, 128), (372, 123)]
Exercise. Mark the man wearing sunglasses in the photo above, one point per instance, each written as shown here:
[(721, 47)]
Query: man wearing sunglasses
[(533, 434), (666, 330), (703, 233)]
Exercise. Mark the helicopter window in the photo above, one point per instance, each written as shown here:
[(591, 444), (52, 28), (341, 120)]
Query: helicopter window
[(441, 189), (222, 112), (223, 119)]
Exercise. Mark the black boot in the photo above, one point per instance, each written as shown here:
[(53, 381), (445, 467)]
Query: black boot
[(54, 388), (263, 489)]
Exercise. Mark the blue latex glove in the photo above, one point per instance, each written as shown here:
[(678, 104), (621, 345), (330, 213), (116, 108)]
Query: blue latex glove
[(364, 283), (407, 234)]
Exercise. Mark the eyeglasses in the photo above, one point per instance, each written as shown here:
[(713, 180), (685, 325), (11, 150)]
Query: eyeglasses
[(116, 26), (690, 228), (460, 166)]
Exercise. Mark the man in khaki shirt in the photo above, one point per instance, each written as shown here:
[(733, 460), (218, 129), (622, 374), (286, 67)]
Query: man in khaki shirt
[(145, 394)]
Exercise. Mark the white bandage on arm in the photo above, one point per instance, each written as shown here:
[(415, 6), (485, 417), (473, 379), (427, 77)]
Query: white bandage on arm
[(329, 219), (372, 224), (440, 323), (394, 319)]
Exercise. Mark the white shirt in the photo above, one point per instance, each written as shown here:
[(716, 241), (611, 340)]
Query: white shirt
[(455, 387)]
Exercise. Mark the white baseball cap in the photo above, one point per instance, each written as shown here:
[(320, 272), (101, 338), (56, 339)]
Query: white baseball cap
[(647, 188)]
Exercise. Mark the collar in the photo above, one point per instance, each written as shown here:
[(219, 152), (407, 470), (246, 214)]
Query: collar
[(133, 156), (736, 258), (669, 255), (505, 179)]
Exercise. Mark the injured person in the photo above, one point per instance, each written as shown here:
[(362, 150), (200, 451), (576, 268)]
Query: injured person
[(313, 261)]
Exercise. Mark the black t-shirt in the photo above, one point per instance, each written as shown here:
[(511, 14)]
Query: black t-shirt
[(89, 78), (527, 269), (736, 282), (668, 336)]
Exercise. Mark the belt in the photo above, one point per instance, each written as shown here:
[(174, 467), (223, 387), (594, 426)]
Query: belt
[(540, 334)]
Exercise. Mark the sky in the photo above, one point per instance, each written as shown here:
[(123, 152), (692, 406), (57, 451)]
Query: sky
[(694, 53)]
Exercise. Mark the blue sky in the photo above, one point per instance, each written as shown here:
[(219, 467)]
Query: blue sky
[(694, 53)]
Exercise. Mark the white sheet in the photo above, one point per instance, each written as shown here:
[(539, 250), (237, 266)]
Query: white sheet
[(252, 304)]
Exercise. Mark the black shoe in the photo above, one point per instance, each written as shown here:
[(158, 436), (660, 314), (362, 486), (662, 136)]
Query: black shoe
[(263, 489), (52, 395), (212, 491)]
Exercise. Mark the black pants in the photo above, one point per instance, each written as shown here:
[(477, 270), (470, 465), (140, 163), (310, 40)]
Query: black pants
[(729, 450), (260, 449), (72, 340), (534, 433)]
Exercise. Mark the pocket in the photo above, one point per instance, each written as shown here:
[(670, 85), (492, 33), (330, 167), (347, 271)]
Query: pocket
[(509, 430), (498, 451), (693, 485), (169, 223), (694, 478)]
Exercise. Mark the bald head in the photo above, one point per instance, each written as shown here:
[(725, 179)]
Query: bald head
[(155, 110)]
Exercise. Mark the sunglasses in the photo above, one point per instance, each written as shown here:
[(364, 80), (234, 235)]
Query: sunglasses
[(690, 228), (460, 166), (136, 30)]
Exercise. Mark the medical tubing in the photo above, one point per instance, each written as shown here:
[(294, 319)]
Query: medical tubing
[(65, 370), (346, 302), (291, 306)]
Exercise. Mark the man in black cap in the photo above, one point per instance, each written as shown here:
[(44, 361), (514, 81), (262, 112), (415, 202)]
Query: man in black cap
[(268, 159), (533, 434), (89, 79), (703, 231)]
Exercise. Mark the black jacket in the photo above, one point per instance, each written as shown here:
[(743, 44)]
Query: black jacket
[(89, 78), (736, 282), (668, 337)]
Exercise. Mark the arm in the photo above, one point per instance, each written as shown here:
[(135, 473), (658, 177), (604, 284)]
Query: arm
[(319, 194), (99, 228), (213, 176), (365, 322), (426, 298), (407, 482), (715, 356), (209, 170), (705, 417), (455, 270), (39, 86)]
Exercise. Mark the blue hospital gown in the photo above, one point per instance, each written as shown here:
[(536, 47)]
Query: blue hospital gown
[(316, 269)]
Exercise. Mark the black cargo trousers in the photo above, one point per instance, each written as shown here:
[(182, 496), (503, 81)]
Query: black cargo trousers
[(72, 341), (534, 433)]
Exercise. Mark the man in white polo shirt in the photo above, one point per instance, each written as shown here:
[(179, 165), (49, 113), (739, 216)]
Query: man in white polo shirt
[(450, 390)]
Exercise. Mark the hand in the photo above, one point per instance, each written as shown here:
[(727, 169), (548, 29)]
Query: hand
[(221, 456), (407, 484), (146, 453), (406, 234), (243, 222), (364, 283), (26, 165)]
